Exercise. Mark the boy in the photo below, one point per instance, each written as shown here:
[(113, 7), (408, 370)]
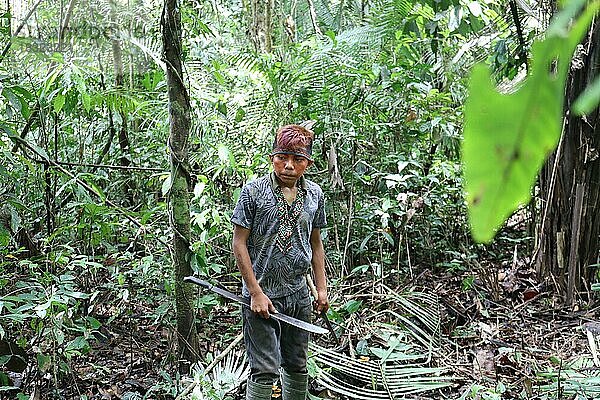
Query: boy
[(276, 239)]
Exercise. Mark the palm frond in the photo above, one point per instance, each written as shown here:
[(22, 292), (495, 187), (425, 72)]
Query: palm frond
[(246, 62), (580, 377), (414, 315), (325, 14), (222, 376), (361, 39), (409, 325), (147, 46), (374, 379), (390, 15), (229, 373)]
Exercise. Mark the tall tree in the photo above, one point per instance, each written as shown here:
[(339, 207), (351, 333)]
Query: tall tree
[(261, 26), (120, 84), (568, 247), (50, 179), (179, 204)]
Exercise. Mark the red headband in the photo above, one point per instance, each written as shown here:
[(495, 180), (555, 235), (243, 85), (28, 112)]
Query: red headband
[(296, 152)]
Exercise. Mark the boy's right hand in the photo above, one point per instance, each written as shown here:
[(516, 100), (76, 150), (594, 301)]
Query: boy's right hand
[(261, 304)]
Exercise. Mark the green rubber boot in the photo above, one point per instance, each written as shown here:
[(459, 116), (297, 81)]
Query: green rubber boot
[(258, 391), (294, 385)]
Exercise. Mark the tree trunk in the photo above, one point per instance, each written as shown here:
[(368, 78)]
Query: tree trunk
[(125, 159), (119, 84), (179, 207), (15, 17), (261, 25), (568, 247), (64, 26)]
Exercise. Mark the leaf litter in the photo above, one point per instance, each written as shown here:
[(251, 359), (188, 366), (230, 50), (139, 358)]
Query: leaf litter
[(502, 333)]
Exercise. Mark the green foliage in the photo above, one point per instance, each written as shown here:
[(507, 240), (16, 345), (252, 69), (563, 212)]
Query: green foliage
[(578, 378), (50, 307), (220, 381), (589, 99), (385, 84), (382, 106), (484, 393), (468, 283), (52, 315), (508, 136)]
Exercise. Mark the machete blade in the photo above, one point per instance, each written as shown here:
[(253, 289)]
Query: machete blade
[(307, 326)]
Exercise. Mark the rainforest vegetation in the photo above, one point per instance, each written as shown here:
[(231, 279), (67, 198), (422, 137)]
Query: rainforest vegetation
[(457, 143)]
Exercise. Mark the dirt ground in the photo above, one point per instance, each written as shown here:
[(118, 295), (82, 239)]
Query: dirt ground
[(498, 326)]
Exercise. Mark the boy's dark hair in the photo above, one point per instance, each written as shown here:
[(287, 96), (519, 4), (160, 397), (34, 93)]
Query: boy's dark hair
[(293, 139)]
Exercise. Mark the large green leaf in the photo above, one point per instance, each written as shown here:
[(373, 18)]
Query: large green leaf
[(507, 137), (4, 237), (589, 99)]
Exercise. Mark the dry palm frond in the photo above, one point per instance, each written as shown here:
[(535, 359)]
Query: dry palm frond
[(374, 379), (416, 315), (409, 327), (422, 306)]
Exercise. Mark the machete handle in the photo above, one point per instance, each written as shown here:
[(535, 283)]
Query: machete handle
[(322, 314)]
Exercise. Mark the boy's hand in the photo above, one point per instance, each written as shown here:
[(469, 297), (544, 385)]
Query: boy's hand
[(261, 304), (322, 302)]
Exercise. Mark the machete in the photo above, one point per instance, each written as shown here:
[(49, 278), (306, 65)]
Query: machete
[(322, 314), (307, 326)]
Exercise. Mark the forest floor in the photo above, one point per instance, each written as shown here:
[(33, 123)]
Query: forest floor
[(501, 335)]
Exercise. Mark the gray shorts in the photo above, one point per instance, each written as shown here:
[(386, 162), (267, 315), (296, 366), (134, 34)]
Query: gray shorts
[(271, 344)]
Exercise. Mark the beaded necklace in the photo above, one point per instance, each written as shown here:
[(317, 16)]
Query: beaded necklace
[(288, 217)]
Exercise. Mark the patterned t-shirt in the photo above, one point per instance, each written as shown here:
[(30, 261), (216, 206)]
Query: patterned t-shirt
[(279, 240)]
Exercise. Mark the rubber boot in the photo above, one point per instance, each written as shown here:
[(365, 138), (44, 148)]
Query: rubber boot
[(258, 391), (294, 385)]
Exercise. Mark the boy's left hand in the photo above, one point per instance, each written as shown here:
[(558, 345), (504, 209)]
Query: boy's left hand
[(322, 302)]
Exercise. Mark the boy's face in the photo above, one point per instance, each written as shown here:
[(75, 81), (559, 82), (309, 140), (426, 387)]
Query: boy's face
[(289, 167)]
